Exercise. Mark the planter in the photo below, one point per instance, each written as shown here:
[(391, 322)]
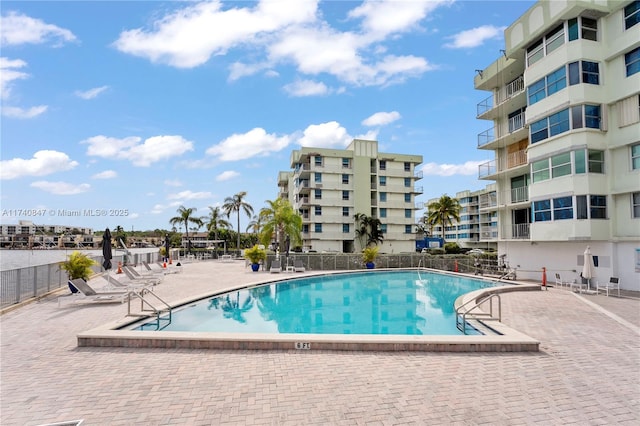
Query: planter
[(370, 265), (255, 267)]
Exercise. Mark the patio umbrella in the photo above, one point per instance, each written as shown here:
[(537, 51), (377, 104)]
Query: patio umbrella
[(106, 250), (588, 269), (166, 246)]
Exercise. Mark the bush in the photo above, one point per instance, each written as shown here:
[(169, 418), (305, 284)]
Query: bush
[(435, 251), (452, 248)]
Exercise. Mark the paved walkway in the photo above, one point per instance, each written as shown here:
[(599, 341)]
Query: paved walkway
[(587, 373)]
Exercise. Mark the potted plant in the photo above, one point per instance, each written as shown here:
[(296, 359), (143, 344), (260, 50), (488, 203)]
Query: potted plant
[(78, 265), (255, 254), (369, 255)]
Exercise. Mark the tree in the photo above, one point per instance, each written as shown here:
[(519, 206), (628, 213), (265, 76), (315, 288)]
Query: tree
[(368, 230), (185, 216), (442, 212), (255, 224), (235, 204), (280, 219), (216, 221)]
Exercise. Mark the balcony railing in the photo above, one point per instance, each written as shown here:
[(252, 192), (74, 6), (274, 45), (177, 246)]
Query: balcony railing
[(520, 195), (487, 169), (502, 95), (514, 124), (510, 161), (520, 231)]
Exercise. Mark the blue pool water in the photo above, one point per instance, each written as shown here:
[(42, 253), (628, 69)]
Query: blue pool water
[(374, 302)]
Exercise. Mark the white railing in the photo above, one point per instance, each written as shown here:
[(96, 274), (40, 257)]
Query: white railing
[(520, 195), (520, 231)]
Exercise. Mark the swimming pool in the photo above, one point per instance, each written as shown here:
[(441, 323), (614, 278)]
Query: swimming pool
[(370, 303)]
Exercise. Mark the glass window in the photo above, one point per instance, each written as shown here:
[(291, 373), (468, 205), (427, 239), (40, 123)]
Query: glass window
[(535, 52), (561, 165), (318, 227), (383, 212), (345, 179), (318, 160), (581, 207), (539, 130), (383, 180), (542, 210), (345, 163), (598, 205), (318, 194), (573, 29), (407, 213), (345, 228), (318, 210), (559, 122), (540, 170), (632, 61), (407, 198), (635, 157), (574, 73), (383, 228), (631, 14), (345, 195), (596, 161), (562, 208), (556, 81), (580, 159), (590, 72), (554, 39), (635, 204), (589, 29), (383, 164), (536, 91), (317, 177), (407, 182), (345, 211), (383, 196), (305, 229), (576, 117), (592, 116), (407, 167), (407, 229)]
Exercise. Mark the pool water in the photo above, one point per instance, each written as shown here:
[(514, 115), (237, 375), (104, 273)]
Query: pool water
[(374, 302)]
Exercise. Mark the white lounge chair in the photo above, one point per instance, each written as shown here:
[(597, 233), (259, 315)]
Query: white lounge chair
[(86, 293), (135, 276), (614, 283), (298, 266), (276, 267), (560, 283)]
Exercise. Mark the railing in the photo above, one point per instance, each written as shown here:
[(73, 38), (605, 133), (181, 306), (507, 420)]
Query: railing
[(487, 136), (487, 169), (516, 122), (519, 195), (461, 316), (502, 95), (520, 231)]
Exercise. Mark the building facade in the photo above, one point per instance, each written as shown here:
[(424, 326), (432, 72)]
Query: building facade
[(328, 187), (565, 133), (26, 234)]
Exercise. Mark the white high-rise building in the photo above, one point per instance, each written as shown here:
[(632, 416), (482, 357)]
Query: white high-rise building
[(565, 113)]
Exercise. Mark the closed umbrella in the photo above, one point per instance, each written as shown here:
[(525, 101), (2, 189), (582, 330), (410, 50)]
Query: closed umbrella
[(588, 271), (106, 250), (287, 246), (166, 247)]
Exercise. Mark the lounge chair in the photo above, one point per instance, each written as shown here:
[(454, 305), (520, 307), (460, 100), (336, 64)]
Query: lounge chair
[(134, 276), (298, 266), (86, 293), (614, 283), (276, 267), (560, 283), (114, 283)]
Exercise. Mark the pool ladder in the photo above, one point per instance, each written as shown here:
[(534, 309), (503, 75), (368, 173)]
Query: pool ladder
[(157, 307), (467, 311)]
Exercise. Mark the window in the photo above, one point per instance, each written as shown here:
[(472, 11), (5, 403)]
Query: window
[(632, 61), (317, 160), (592, 116), (407, 167), (536, 91), (318, 227), (407, 182), (383, 165), (407, 197), (383, 212), (561, 165), (407, 213), (580, 159), (345, 179), (346, 163), (598, 204), (631, 14), (317, 177), (383, 180), (635, 205), (581, 207), (581, 116), (383, 228), (556, 81), (590, 72), (383, 196), (318, 194), (562, 208), (554, 39), (407, 229), (596, 161), (345, 228), (635, 157), (540, 170), (305, 229), (589, 29), (559, 123), (345, 195), (535, 52), (318, 210), (345, 211), (542, 211)]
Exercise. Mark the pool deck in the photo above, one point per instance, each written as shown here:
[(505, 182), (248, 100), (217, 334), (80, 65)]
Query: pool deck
[(586, 372)]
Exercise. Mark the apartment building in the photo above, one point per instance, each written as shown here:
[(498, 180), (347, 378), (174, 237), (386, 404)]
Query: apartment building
[(565, 131), (328, 187), (26, 234), (478, 225)]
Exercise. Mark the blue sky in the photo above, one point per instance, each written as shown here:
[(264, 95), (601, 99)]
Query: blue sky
[(125, 111)]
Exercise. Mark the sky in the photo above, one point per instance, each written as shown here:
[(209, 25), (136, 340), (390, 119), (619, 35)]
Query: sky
[(118, 113)]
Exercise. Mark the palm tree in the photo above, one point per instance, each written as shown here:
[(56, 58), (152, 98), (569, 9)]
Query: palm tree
[(185, 216), (280, 219), (369, 230), (255, 224), (442, 212), (216, 221), (235, 204)]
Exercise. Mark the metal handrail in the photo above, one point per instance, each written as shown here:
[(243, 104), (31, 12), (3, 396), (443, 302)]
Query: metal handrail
[(489, 316), (157, 312)]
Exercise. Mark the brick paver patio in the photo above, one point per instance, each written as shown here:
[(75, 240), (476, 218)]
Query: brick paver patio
[(587, 372)]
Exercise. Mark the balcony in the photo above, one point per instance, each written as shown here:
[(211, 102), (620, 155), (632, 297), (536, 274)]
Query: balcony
[(501, 96), (512, 132), (520, 231), (520, 195), (502, 164)]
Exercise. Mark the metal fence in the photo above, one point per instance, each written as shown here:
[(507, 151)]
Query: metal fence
[(18, 285)]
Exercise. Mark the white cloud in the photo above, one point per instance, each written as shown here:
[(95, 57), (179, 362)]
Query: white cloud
[(381, 118), (256, 142), (9, 73), (107, 174), (43, 163), (474, 37), (173, 182), (469, 168), (91, 93), (301, 88), (325, 135), (227, 175), (189, 36), (61, 188), (189, 195), (17, 112), (153, 149), (16, 29)]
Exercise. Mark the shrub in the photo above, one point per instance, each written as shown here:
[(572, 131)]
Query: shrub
[(452, 248)]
